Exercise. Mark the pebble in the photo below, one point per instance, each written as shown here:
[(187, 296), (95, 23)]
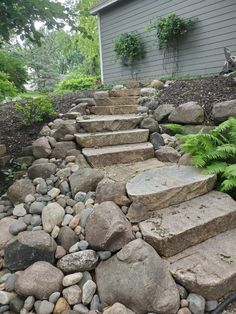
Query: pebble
[(104, 255), (27, 219), (80, 197), (4, 308), (83, 245), (72, 279), (182, 292), (54, 192), (55, 232), (74, 168), (67, 219), (80, 308), (61, 201), (45, 307), (17, 227), (183, 303), (29, 198), (138, 235), (6, 297), (42, 188), (60, 252), (88, 291), (77, 230), (10, 283), (95, 303), (124, 209), (36, 220), (19, 210), (16, 304), (36, 207), (29, 303), (135, 228), (54, 297), (211, 305), (70, 159), (61, 306), (184, 310), (69, 210), (70, 202), (84, 216), (72, 294), (37, 228), (64, 188), (74, 222), (196, 303)]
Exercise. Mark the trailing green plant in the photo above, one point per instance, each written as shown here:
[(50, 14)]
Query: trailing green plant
[(78, 84), (129, 48), (170, 29), (215, 152), (175, 128), (7, 88), (36, 110)]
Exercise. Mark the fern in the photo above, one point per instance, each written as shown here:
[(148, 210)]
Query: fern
[(175, 128), (215, 153)]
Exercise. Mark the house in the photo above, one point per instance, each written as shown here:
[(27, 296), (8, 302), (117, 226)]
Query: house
[(200, 52)]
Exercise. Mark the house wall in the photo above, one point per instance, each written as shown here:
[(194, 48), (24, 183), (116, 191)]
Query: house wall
[(201, 51)]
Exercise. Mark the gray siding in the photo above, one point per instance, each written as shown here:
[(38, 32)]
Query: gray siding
[(201, 51)]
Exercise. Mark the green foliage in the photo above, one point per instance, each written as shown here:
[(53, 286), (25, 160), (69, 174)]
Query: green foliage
[(7, 88), (215, 152), (77, 84), (14, 68), (170, 29), (36, 110), (129, 48), (18, 18), (175, 128)]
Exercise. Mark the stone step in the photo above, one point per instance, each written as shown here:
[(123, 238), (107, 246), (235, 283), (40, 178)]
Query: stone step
[(113, 110), (208, 268), (111, 155), (161, 187), (117, 101), (175, 228), (110, 123), (91, 140), (125, 92)]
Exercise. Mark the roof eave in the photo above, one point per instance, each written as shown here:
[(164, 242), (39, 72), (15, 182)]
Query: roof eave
[(102, 6)]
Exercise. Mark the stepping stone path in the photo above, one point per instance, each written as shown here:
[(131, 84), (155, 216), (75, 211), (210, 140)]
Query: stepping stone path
[(75, 239)]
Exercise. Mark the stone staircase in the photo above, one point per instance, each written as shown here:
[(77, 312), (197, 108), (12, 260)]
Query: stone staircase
[(190, 225), (111, 134)]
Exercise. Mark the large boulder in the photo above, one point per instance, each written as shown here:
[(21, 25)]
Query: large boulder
[(150, 124), (5, 235), (29, 247), (52, 215), (61, 149), (163, 111), (107, 228), (109, 190), (223, 110), (39, 280), (41, 170), (167, 154), (64, 128), (139, 279), (19, 190), (188, 113), (41, 148), (85, 180), (67, 237)]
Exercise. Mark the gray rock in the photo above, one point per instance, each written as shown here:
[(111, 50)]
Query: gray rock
[(167, 154), (85, 213), (88, 291), (10, 283), (19, 190), (27, 219), (157, 140), (72, 294), (39, 280), (61, 149), (19, 210), (28, 248), (64, 188), (80, 197), (118, 308), (150, 124), (42, 188), (41, 148), (163, 111), (196, 303), (17, 227), (45, 307), (107, 228), (67, 238), (95, 303), (223, 110), (64, 128), (54, 297), (5, 234), (67, 219), (80, 308), (148, 91), (137, 265), (85, 180), (83, 245), (72, 279), (52, 215), (36, 221), (4, 308), (6, 297), (104, 255), (182, 292), (44, 170), (188, 113), (16, 304), (29, 303), (211, 305), (78, 262)]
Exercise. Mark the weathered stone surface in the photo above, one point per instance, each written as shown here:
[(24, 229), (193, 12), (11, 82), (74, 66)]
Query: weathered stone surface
[(167, 154), (91, 140), (124, 276), (157, 84), (61, 149), (109, 190), (196, 303), (157, 140), (118, 308), (5, 235), (209, 268), (41, 148), (42, 170), (61, 306), (148, 91), (188, 113), (185, 160), (39, 280), (19, 190), (197, 128), (163, 111), (111, 155), (117, 101), (124, 92), (175, 228), (223, 110), (113, 110), (29, 247), (161, 187), (110, 123), (85, 180), (107, 228), (3, 150), (150, 124), (52, 215), (65, 127), (78, 262), (72, 294), (67, 237)]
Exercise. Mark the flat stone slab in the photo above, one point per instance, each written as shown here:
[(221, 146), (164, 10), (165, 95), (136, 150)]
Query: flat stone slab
[(110, 123), (175, 228), (113, 110), (209, 268), (90, 140), (110, 155), (159, 188), (125, 92), (117, 101)]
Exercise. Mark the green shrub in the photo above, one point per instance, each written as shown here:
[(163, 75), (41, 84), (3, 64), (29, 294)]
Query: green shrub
[(36, 110), (77, 84), (215, 153), (175, 128), (7, 88), (129, 48), (14, 68)]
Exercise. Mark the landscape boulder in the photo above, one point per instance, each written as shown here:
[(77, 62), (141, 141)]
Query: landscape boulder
[(107, 228), (157, 84), (67, 237), (19, 190), (52, 215), (187, 113), (163, 111), (41, 170), (157, 140), (64, 128), (139, 279), (5, 235), (167, 154), (223, 110), (41, 148), (150, 124), (61, 149)]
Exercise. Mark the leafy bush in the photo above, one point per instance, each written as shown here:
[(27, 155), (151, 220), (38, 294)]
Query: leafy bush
[(36, 110), (77, 84), (129, 48), (7, 88), (14, 68), (215, 152), (170, 29)]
